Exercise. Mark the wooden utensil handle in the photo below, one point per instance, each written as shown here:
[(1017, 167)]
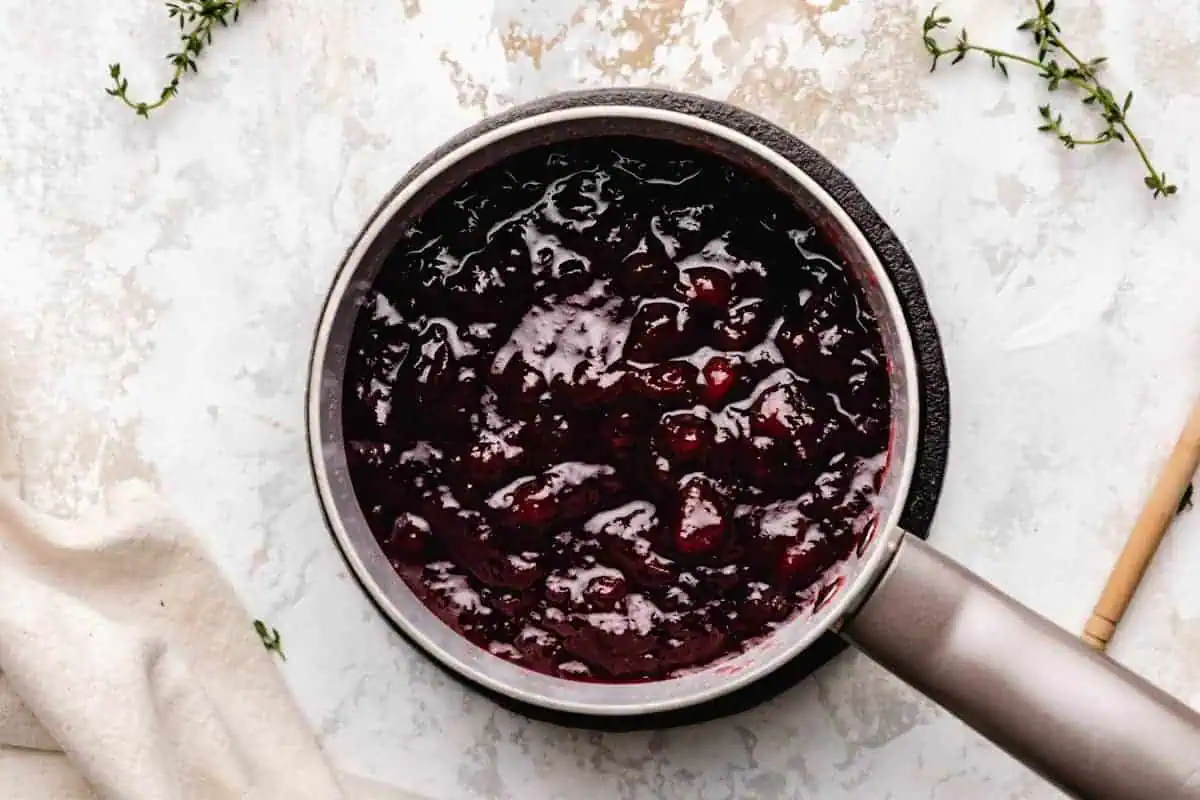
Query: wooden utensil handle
[(1147, 533)]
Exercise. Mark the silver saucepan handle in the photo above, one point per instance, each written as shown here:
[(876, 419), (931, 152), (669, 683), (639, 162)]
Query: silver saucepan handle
[(1079, 719)]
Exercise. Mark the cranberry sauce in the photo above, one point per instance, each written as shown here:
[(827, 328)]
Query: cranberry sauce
[(614, 409)]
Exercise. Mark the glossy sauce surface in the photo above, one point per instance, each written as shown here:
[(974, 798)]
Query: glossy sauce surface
[(614, 409)]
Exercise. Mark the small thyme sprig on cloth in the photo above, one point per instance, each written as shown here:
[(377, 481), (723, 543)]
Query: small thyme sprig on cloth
[(1074, 71), (270, 638), (197, 20)]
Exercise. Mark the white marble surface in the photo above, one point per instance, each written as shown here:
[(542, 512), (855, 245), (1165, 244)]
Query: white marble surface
[(160, 280)]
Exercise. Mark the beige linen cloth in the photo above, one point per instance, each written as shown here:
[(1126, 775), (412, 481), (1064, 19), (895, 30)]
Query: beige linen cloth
[(130, 671)]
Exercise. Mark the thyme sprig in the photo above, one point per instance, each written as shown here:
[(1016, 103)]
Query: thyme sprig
[(1056, 64), (197, 21), (270, 638)]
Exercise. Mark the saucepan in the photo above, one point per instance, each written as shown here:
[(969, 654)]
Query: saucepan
[(1084, 722)]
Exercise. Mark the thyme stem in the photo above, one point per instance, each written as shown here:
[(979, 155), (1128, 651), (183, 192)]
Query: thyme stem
[(197, 21), (1080, 73)]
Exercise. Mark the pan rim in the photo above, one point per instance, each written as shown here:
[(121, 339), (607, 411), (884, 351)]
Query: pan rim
[(872, 564)]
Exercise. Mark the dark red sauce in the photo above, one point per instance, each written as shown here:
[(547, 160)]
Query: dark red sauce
[(614, 409)]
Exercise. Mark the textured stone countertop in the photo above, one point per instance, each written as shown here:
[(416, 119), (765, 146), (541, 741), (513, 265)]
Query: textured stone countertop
[(161, 280)]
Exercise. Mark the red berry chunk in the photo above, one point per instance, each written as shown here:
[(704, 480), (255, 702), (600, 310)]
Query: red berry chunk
[(408, 540), (720, 379), (660, 329), (763, 605), (781, 412), (495, 454), (707, 286), (562, 493), (703, 518), (647, 271), (670, 383), (804, 563), (629, 535), (539, 648), (620, 433), (764, 460), (605, 592), (746, 326), (685, 436)]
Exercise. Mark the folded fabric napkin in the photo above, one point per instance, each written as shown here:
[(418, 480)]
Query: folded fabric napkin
[(130, 671)]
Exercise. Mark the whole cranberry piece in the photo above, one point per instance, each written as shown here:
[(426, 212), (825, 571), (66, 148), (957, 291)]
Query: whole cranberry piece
[(605, 592), (685, 436), (560, 494), (781, 412), (802, 564), (799, 344), (629, 536), (534, 504), (516, 571), (660, 329), (558, 590), (746, 325), (495, 454), (647, 271), (720, 378), (709, 287), (761, 362), (472, 542), (866, 398), (763, 460), (620, 433), (450, 594), (677, 598), (539, 648), (408, 539), (813, 442), (511, 604), (703, 517), (673, 382), (823, 354), (761, 605), (823, 340)]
